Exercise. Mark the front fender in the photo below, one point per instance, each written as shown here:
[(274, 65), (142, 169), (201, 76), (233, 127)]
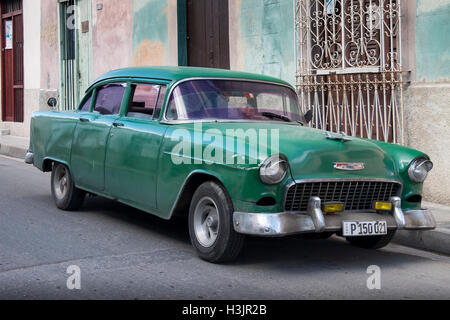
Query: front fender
[(403, 156)]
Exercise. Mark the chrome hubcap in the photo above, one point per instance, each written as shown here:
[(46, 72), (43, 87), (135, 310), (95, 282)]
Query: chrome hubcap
[(61, 182), (206, 221)]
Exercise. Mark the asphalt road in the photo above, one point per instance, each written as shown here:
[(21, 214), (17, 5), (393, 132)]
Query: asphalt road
[(124, 253)]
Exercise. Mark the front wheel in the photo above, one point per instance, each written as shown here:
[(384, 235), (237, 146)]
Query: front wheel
[(211, 224), (65, 194), (372, 242)]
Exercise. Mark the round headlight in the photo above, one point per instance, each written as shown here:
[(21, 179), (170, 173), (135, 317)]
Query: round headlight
[(273, 170), (418, 169)]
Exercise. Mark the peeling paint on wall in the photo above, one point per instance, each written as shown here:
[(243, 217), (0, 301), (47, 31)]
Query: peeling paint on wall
[(430, 6), (49, 45), (149, 54), (150, 32), (267, 34), (433, 40), (111, 35)]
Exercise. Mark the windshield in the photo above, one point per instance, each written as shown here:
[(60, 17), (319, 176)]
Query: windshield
[(233, 100)]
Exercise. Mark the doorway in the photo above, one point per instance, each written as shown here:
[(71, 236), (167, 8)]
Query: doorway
[(12, 60), (207, 33), (69, 79)]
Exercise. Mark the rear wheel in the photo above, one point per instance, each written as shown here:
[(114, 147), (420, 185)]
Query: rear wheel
[(65, 194), (372, 242), (211, 224)]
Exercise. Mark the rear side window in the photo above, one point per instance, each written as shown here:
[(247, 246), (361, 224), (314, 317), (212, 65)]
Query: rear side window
[(87, 104), (143, 102), (109, 99)]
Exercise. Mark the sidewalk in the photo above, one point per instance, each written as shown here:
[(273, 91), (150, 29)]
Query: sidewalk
[(437, 240), (12, 146)]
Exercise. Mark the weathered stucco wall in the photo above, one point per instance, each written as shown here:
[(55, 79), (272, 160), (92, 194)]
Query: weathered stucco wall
[(427, 121), (49, 45), (427, 110), (262, 37), (433, 40), (154, 32), (111, 35)]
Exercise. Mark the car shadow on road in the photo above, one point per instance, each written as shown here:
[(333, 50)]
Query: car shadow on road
[(175, 228), (292, 253), (288, 252)]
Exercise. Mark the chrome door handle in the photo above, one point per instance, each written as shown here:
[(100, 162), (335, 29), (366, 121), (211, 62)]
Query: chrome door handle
[(118, 124), (85, 120)]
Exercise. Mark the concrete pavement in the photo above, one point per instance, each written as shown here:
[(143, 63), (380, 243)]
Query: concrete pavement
[(437, 240), (124, 253), (14, 146)]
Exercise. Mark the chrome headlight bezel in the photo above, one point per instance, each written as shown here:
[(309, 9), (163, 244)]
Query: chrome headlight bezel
[(418, 169), (274, 169)]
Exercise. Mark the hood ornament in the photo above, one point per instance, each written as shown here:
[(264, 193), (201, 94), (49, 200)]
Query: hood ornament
[(347, 166), (338, 136)]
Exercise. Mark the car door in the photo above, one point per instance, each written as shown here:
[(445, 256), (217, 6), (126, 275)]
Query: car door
[(132, 155), (91, 136)]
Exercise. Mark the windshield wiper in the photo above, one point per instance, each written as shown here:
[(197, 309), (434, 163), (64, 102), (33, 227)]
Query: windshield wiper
[(272, 115)]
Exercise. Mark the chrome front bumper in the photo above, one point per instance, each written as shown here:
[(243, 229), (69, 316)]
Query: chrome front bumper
[(314, 221)]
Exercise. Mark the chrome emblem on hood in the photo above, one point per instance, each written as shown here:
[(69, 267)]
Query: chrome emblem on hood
[(337, 136), (349, 166)]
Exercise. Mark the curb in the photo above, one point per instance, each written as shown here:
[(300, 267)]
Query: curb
[(437, 240), (12, 151)]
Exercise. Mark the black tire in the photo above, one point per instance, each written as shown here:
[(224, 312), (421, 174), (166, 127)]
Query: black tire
[(68, 197), (372, 242), (225, 244)]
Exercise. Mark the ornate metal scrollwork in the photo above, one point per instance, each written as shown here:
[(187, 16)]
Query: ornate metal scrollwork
[(349, 66)]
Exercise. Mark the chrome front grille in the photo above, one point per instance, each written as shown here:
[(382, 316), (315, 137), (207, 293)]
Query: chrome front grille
[(356, 195)]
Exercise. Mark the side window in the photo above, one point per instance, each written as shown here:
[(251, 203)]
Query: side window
[(87, 104), (159, 104), (143, 102), (109, 99)]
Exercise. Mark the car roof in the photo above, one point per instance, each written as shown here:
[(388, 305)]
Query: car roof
[(175, 74)]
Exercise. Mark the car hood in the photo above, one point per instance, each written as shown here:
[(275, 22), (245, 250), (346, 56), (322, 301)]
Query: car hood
[(310, 153)]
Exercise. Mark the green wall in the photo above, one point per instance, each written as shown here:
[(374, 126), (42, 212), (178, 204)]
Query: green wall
[(267, 33), (432, 40)]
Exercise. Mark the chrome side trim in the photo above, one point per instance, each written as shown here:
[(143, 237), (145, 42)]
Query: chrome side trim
[(29, 158), (174, 122)]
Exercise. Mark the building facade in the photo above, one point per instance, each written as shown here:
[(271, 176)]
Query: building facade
[(377, 69)]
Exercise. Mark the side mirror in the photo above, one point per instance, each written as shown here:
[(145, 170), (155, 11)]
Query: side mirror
[(52, 102), (309, 116)]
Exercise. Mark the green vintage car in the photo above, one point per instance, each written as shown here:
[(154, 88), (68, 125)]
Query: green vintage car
[(231, 151)]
